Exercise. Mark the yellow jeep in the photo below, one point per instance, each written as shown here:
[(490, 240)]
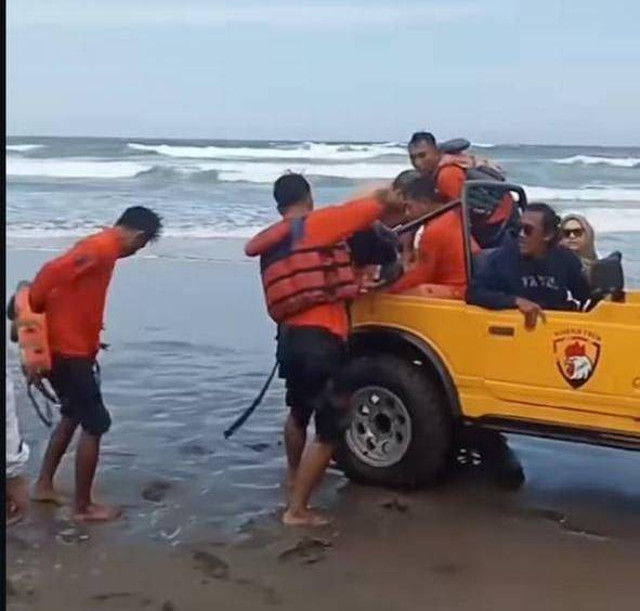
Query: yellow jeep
[(421, 364)]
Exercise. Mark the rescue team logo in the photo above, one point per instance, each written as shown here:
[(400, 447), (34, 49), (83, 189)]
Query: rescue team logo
[(577, 354)]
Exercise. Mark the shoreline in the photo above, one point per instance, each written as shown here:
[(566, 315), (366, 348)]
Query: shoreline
[(191, 347), (464, 546)]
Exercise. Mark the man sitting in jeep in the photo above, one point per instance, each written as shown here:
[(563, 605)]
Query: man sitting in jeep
[(440, 243), (532, 273), (490, 222)]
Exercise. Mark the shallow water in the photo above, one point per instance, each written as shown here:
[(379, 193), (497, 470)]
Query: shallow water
[(191, 346)]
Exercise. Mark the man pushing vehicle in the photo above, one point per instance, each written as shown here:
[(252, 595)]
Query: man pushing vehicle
[(308, 277)]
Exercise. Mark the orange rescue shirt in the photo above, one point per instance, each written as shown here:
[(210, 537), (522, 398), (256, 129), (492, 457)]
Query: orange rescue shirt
[(72, 289), (440, 255), (325, 227)]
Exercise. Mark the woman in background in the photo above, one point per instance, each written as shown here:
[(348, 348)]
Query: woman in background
[(577, 234)]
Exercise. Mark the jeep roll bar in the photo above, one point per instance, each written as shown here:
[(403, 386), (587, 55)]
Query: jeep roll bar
[(464, 204), (425, 218)]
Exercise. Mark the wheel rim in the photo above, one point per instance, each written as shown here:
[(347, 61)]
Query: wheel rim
[(380, 431)]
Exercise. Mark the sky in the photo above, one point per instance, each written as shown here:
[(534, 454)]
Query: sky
[(494, 71)]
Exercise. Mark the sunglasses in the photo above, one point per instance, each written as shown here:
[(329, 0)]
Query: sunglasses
[(573, 233)]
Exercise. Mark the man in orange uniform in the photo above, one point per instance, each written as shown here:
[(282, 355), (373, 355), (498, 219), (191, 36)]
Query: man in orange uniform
[(450, 173), (441, 249), (310, 309), (71, 290)]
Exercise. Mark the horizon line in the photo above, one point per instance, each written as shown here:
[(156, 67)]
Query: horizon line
[(325, 141)]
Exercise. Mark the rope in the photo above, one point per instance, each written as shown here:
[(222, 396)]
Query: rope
[(244, 416)]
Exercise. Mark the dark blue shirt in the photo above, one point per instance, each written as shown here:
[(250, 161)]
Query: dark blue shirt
[(555, 282)]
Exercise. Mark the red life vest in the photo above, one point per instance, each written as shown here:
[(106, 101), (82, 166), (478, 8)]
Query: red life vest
[(294, 278)]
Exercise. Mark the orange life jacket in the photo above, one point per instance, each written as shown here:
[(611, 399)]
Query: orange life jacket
[(35, 356), (475, 168), (296, 278)]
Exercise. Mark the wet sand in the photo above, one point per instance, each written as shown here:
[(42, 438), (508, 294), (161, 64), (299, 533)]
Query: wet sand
[(464, 546), (190, 348)]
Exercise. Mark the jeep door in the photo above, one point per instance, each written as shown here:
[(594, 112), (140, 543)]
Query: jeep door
[(582, 369)]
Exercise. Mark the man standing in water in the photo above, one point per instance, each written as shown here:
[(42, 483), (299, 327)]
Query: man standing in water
[(71, 290), (308, 277)]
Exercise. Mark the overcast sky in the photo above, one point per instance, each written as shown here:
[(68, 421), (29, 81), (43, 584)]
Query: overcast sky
[(549, 71)]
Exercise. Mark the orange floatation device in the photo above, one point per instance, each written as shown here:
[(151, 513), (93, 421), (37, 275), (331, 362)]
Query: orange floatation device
[(29, 330)]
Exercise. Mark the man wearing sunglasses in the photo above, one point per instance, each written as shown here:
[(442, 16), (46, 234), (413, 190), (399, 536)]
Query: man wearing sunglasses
[(532, 273)]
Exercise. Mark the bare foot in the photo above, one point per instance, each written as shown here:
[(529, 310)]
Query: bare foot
[(98, 513), (304, 518), (45, 493), (289, 491), (14, 515)]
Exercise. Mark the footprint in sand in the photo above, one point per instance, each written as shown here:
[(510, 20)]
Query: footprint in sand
[(308, 550), (210, 565)]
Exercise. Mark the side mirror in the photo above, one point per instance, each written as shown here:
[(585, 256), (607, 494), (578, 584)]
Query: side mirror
[(607, 277), (481, 198)]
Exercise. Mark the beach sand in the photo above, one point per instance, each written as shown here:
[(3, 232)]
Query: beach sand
[(190, 348)]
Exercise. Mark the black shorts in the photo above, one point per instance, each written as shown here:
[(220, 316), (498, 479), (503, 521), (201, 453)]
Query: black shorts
[(311, 362), (75, 382)]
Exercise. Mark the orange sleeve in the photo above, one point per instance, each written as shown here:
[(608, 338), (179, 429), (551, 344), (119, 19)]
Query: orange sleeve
[(331, 225), (424, 271), (60, 271), (451, 178)]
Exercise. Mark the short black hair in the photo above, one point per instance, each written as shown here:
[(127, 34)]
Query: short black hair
[(290, 189), (550, 220), (142, 219), (404, 179), (427, 137), (422, 188)]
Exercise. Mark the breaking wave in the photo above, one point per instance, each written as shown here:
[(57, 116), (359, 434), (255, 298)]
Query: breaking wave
[(618, 162), (59, 168), (23, 148), (306, 150), (583, 194)]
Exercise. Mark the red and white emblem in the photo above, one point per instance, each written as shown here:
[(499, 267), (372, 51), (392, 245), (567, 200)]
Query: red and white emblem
[(577, 354)]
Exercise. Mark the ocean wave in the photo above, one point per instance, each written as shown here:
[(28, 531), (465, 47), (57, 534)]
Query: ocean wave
[(201, 231), (306, 151), (584, 194), (71, 168), (23, 148), (268, 172), (480, 145), (605, 220), (225, 171), (618, 162)]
